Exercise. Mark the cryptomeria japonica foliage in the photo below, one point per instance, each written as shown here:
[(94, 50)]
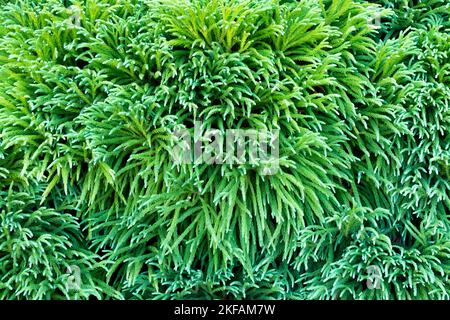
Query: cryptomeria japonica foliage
[(92, 91)]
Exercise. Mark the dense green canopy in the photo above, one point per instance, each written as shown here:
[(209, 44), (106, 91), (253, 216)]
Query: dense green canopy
[(92, 91)]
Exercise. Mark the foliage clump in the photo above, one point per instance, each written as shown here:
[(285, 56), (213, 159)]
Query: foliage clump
[(92, 91)]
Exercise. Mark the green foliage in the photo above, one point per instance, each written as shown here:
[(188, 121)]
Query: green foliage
[(91, 92)]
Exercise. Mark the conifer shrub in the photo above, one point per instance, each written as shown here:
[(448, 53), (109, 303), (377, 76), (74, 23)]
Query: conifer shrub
[(93, 91)]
